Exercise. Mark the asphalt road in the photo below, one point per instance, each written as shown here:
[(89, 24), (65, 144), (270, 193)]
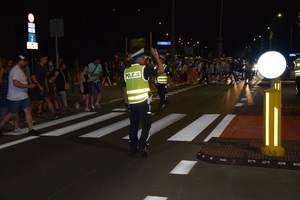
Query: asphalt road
[(85, 155)]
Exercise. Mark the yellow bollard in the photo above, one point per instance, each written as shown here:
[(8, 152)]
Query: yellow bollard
[(272, 121)]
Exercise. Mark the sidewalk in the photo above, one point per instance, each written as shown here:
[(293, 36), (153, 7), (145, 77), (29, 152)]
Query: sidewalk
[(240, 143)]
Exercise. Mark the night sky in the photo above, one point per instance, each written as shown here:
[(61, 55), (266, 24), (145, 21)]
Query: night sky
[(91, 29)]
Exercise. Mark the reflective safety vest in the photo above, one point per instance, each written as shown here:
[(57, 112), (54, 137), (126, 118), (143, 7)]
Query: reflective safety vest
[(297, 67), (136, 85), (162, 78)]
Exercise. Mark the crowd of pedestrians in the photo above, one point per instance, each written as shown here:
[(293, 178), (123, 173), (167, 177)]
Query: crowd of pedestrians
[(48, 82), (52, 80), (218, 70)]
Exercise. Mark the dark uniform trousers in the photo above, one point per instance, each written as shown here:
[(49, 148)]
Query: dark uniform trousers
[(162, 90), (139, 112), (298, 85)]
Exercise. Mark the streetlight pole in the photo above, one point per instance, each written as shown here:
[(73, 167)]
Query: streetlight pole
[(220, 31), (173, 33)]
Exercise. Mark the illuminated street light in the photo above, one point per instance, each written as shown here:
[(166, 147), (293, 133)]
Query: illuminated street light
[(271, 65)]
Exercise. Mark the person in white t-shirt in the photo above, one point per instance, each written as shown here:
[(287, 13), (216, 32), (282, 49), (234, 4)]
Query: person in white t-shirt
[(17, 95)]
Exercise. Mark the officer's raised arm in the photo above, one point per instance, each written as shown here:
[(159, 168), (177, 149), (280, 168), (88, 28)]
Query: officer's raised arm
[(159, 65)]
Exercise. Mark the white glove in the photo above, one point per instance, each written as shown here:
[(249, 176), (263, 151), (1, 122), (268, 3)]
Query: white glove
[(149, 100)]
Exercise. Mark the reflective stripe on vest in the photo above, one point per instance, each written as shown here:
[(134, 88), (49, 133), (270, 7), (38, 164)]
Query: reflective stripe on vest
[(297, 67), (162, 78), (137, 86)]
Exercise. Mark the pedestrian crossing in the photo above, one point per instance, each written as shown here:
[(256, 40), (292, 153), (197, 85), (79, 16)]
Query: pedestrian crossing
[(186, 134)]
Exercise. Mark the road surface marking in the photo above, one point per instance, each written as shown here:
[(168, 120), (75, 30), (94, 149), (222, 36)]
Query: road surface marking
[(74, 127), (162, 123), (239, 104), (184, 167), (193, 129), (107, 129), (17, 141), (155, 198), (221, 127), (53, 122)]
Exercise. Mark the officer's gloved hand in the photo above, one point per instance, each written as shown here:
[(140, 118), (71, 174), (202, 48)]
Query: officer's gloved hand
[(149, 98)]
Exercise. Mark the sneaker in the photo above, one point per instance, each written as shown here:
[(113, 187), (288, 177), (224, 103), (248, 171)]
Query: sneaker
[(77, 105), (56, 115), (33, 133), (93, 107), (97, 105), (87, 110), (18, 131), (144, 153)]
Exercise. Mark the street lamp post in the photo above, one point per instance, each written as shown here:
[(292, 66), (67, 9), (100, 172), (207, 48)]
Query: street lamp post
[(220, 49)]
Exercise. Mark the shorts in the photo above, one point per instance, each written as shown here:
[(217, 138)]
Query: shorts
[(37, 94), (14, 106), (95, 86)]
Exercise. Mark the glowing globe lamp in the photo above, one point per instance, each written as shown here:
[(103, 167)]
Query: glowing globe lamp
[(271, 64)]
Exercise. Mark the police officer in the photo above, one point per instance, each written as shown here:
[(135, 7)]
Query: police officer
[(137, 86), (162, 84), (297, 75)]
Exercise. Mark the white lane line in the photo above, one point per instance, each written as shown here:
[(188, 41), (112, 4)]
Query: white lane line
[(67, 129), (184, 167), (53, 122), (195, 128), (221, 127), (239, 104), (162, 123), (155, 198), (17, 141)]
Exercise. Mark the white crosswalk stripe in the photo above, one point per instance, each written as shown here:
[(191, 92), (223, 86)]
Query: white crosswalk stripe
[(193, 129), (187, 134), (55, 122), (68, 129), (161, 124), (220, 128), (107, 129)]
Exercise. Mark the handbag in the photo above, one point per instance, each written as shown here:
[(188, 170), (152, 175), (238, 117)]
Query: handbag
[(67, 84)]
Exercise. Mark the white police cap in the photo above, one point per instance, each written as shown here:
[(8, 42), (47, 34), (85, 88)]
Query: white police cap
[(138, 54)]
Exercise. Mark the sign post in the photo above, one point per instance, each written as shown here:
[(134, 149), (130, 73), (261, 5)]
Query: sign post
[(56, 30), (31, 42)]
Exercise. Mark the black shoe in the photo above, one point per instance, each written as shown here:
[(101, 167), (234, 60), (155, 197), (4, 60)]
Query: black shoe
[(56, 115), (133, 152), (126, 105), (41, 114), (144, 153), (33, 133)]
